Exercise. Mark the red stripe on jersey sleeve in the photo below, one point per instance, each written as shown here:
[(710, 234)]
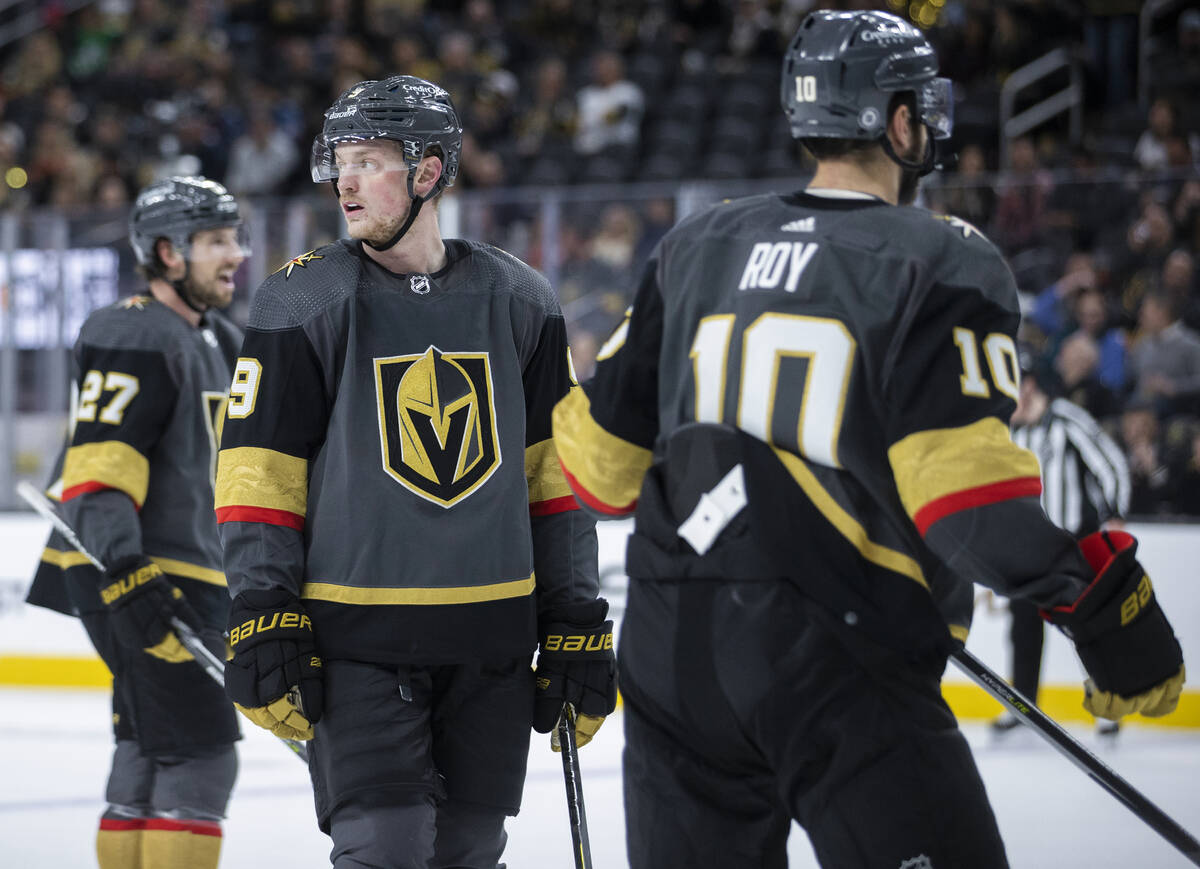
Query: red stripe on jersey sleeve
[(91, 486), (595, 503), (260, 514), (980, 496), (553, 505)]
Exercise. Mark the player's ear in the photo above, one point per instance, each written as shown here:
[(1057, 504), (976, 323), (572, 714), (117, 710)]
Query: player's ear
[(901, 129), (429, 170), (167, 253)]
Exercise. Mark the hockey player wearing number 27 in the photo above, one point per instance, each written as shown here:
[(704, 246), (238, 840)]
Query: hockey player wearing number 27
[(151, 373), (397, 530), (806, 412)]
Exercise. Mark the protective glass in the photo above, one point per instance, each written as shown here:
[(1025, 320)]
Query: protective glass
[(326, 165), (935, 106), (217, 244)]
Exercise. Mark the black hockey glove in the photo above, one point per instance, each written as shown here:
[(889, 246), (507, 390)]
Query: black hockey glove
[(576, 665), (140, 603), (1126, 644), (274, 676)]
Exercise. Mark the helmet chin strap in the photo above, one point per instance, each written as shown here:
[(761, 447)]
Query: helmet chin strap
[(180, 287), (924, 167), (413, 210)]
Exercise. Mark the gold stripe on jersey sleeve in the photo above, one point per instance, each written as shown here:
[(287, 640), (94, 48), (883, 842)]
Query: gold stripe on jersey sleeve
[(328, 591), (258, 477), (106, 465), (608, 467), (849, 527), (959, 632), (189, 570), (63, 560), (929, 465), (543, 472)]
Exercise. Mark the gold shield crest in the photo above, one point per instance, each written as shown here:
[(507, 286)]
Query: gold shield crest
[(437, 422)]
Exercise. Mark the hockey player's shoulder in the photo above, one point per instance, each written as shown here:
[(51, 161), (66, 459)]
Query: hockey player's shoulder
[(958, 252), (512, 274), (313, 267), (721, 216), (138, 322), (954, 232), (305, 285)]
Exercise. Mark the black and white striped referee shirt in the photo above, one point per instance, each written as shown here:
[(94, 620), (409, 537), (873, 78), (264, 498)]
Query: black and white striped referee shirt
[(1085, 478)]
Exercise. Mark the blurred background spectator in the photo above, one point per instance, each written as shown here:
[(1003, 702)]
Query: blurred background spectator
[(592, 127)]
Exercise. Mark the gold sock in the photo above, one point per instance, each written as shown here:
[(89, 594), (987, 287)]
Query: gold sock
[(168, 843), (119, 843)]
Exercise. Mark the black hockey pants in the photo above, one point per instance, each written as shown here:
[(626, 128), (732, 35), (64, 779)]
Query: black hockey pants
[(747, 706)]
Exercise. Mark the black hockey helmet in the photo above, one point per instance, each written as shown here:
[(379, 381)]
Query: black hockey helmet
[(841, 69), (406, 109), (176, 208)]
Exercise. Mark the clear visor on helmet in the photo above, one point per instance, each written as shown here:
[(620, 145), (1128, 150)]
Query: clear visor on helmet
[(219, 244), (360, 154), (935, 106)]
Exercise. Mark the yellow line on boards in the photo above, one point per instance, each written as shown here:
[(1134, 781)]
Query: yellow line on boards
[(54, 671), (1063, 703)]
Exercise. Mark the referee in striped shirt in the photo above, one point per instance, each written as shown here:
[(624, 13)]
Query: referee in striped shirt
[(1085, 487)]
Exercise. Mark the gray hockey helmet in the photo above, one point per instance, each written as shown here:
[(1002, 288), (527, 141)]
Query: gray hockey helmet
[(406, 109), (176, 208), (841, 69)]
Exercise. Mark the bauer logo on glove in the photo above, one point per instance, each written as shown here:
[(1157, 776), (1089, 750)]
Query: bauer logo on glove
[(1126, 644), (576, 666), (274, 677), (596, 641), (268, 623)]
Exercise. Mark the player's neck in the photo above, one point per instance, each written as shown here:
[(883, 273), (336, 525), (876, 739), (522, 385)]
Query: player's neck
[(420, 252), (165, 293), (874, 179)]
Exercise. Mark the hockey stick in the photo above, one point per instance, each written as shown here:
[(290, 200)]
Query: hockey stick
[(188, 638), (1066, 745), (574, 782)]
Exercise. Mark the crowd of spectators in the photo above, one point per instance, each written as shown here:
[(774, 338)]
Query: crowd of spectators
[(1102, 231)]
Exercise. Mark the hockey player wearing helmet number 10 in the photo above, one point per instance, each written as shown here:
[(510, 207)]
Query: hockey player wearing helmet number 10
[(398, 533), (806, 410), (136, 483)]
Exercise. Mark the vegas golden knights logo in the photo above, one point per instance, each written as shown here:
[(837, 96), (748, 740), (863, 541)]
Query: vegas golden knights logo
[(437, 424)]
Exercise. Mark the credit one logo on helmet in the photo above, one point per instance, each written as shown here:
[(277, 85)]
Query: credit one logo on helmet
[(437, 423), (425, 91), (886, 35)]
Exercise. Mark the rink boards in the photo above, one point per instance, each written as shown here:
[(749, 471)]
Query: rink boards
[(41, 648)]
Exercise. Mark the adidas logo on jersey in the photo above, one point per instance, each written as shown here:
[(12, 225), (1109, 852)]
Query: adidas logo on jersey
[(804, 224)]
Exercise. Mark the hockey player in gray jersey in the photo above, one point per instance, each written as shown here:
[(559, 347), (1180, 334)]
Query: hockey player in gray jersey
[(806, 412), (397, 529), (151, 377)]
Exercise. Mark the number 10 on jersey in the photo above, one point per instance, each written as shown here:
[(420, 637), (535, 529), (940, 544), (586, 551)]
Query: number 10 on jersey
[(828, 347)]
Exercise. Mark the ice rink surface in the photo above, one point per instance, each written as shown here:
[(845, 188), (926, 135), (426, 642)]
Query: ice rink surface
[(54, 751)]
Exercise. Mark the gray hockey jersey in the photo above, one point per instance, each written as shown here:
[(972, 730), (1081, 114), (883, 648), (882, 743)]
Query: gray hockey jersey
[(137, 474), (388, 457)]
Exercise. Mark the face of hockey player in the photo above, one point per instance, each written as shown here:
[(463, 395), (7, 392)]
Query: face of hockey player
[(214, 256), (372, 188)]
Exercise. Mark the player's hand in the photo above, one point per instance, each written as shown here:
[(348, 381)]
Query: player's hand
[(1126, 644), (576, 665), (141, 603), (274, 676)]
